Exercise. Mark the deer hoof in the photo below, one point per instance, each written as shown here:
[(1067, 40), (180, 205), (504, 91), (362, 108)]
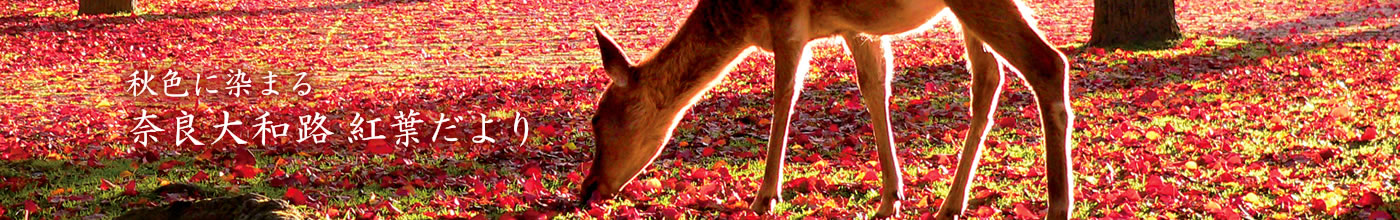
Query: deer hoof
[(764, 204), (946, 214), (886, 210)]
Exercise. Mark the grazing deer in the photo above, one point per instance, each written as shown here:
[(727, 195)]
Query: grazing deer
[(641, 107)]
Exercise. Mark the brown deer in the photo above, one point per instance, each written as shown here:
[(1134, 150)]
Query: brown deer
[(641, 107)]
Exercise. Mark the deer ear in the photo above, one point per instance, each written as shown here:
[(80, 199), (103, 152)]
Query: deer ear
[(615, 62)]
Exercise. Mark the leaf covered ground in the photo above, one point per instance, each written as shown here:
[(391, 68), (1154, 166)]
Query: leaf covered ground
[(1267, 109)]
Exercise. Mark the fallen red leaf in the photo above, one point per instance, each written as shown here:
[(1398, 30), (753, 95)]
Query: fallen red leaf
[(296, 196), (1024, 213), (1146, 99), (199, 177), (1379, 215), (106, 185), (243, 157), (1369, 199), (1368, 135), (30, 206), (170, 164), (379, 147), (130, 188), (246, 171)]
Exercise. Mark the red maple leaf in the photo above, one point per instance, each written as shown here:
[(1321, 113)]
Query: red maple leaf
[(198, 177), (246, 171), (296, 196), (30, 206), (1146, 99), (1368, 135), (130, 189), (1379, 215), (170, 164), (106, 185), (546, 130), (1369, 199), (243, 157), (534, 185), (1024, 213), (379, 147)]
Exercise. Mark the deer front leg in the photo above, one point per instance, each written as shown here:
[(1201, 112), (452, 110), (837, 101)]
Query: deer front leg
[(872, 70), (790, 67), (986, 87), (998, 23)]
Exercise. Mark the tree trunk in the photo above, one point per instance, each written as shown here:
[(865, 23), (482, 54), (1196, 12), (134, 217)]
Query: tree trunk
[(1134, 22), (90, 7), (246, 206)]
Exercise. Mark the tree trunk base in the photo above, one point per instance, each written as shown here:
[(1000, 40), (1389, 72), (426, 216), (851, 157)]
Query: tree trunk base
[(1134, 23), (92, 7)]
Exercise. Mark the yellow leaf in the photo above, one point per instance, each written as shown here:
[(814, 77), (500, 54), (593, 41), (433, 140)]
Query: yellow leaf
[(1152, 135), (1252, 199), (1131, 135), (1191, 165), (1333, 199), (1343, 111), (652, 183), (127, 173)]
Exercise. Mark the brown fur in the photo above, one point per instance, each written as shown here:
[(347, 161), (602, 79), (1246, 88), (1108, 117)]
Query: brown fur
[(639, 110)]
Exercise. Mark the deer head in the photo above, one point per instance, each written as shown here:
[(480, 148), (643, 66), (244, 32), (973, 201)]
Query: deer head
[(629, 127)]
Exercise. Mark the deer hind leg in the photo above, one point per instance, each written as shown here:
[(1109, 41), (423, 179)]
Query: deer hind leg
[(986, 87), (999, 24), (790, 66), (872, 70)]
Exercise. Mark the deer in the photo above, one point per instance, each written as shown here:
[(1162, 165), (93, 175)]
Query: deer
[(644, 101)]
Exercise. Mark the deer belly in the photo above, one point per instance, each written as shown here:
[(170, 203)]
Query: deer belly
[(909, 16)]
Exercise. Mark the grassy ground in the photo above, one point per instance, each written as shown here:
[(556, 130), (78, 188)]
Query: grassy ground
[(1267, 109)]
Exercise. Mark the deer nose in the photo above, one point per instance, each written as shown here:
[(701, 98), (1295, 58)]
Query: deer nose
[(586, 193), (585, 197)]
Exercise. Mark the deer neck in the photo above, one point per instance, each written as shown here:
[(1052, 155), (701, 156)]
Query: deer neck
[(690, 63)]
